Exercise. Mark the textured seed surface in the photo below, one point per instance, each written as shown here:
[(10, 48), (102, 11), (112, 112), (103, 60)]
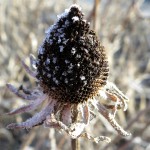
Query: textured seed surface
[(71, 63)]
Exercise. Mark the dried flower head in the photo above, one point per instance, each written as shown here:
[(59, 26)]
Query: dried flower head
[(71, 70)]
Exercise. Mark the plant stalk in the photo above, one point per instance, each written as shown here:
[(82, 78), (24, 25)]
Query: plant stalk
[(75, 143)]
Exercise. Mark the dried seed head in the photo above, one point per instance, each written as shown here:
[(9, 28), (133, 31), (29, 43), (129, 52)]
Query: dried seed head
[(71, 62)]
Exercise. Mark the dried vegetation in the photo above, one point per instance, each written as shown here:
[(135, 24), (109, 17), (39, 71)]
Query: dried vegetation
[(121, 27)]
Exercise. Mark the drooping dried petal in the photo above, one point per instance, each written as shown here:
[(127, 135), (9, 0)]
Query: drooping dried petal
[(66, 114), (74, 131), (36, 119), (33, 105), (21, 95), (112, 89), (33, 61), (111, 120), (28, 70), (85, 113)]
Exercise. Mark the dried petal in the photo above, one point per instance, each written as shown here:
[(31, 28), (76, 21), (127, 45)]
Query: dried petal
[(33, 61), (33, 105), (28, 70), (112, 89), (111, 120), (85, 113), (36, 119), (66, 114), (21, 95)]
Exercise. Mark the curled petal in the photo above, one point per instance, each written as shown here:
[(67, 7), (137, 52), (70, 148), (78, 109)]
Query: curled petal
[(33, 61), (111, 120), (36, 119), (53, 123), (66, 114), (33, 105), (92, 115), (113, 91), (111, 96), (85, 113), (102, 95), (21, 95), (96, 139), (28, 70), (75, 130)]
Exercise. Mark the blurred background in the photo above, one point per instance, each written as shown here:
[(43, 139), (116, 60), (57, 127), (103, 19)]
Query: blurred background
[(123, 27)]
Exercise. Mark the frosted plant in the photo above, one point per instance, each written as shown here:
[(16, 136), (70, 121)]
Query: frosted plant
[(71, 70)]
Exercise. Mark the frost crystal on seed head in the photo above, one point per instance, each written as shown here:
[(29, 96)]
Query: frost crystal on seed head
[(63, 14), (82, 77), (75, 19), (73, 50), (74, 47), (67, 62), (47, 61), (54, 60), (41, 50), (76, 6), (61, 48)]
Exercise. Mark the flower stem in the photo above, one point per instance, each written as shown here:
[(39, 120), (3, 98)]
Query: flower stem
[(75, 144)]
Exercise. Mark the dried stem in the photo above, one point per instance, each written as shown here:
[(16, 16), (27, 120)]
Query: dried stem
[(95, 11), (75, 144), (52, 139)]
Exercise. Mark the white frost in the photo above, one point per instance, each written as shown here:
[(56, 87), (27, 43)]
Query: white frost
[(86, 50), (78, 56), (70, 66), (41, 50), (78, 65), (75, 18), (61, 48), (75, 5), (49, 29), (66, 22), (54, 60), (82, 77), (59, 40), (67, 62), (49, 75), (73, 50), (60, 30), (66, 80), (62, 35), (47, 61), (64, 42), (64, 73)]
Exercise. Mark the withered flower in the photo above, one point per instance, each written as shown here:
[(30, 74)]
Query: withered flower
[(72, 71)]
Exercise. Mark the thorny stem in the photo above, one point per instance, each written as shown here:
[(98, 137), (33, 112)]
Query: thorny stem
[(75, 144)]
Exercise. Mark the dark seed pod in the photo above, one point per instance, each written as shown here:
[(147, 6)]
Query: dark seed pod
[(72, 64)]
